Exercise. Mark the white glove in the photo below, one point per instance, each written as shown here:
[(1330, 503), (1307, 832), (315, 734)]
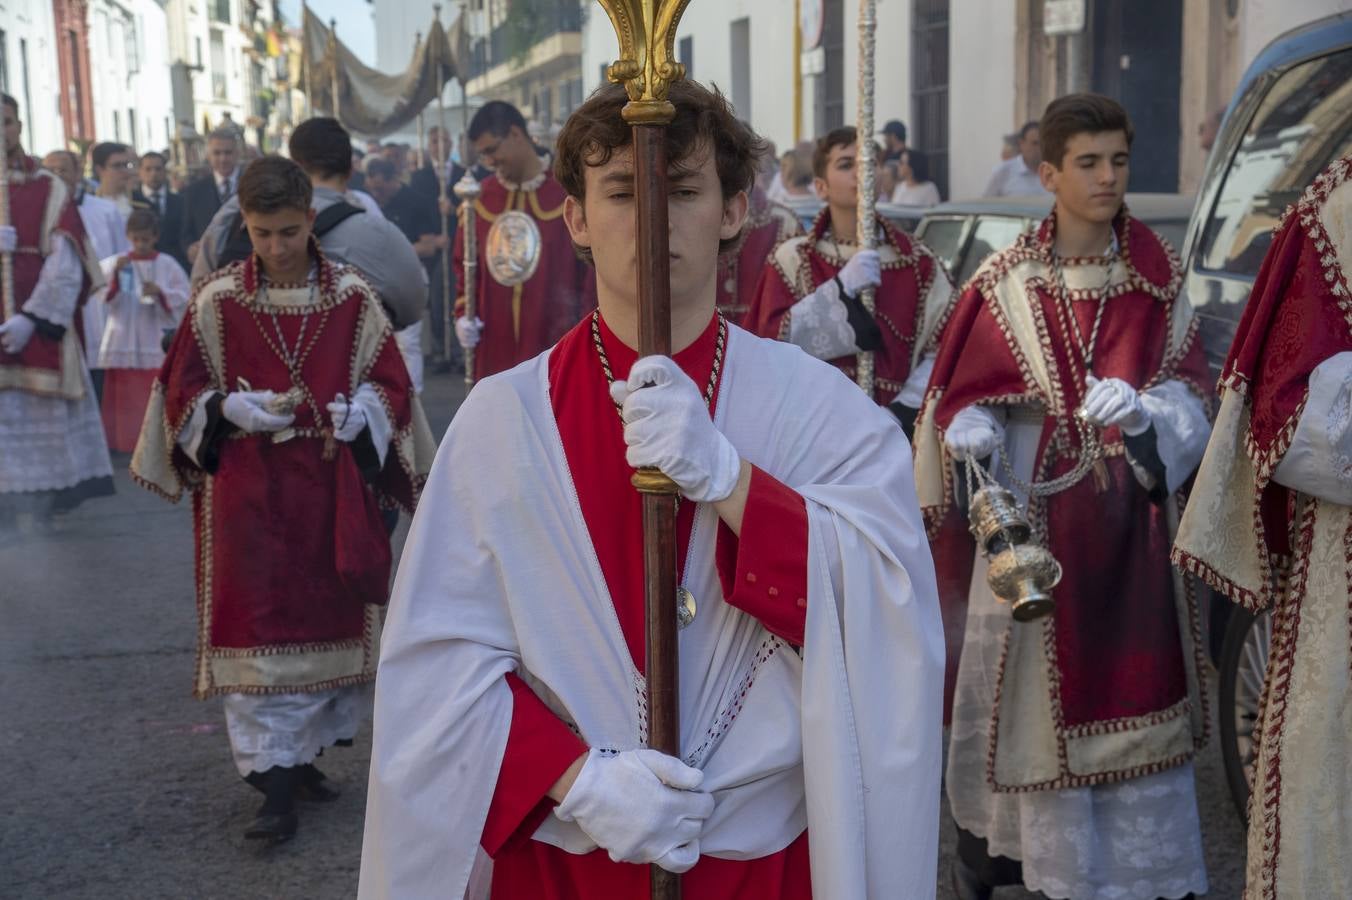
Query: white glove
[(864, 269), (246, 410), (347, 417), (667, 426), (973, 434), (641, 806), (467, 331), (1114, 402), (15, 333), (9, 239)]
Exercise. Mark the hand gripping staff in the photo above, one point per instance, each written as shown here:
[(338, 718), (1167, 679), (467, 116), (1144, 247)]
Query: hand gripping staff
[(646, 31)]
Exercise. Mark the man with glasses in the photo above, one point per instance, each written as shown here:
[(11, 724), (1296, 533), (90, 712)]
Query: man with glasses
[(515, 322), (113, 165)]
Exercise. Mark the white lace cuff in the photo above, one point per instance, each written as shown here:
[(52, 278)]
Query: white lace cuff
[(1319, 460), (818, 323)]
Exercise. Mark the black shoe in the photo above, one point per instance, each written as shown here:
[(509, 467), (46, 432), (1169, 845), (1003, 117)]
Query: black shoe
[(967, 885), (343, 742), (312, 788), (276, 819)]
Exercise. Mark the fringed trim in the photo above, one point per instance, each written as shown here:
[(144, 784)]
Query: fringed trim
[(1281, 664), (218, 690), (1179, 710), (1068, 780), (1192, 565)]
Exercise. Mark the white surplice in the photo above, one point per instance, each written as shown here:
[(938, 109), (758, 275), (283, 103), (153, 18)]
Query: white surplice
[(843, 740), (133, 330)]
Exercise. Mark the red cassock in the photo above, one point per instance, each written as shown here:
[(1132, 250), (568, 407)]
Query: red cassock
[(522, 322), (739, 269), (292, 556), (1115, 644), (40, 211), (909, 271), (763, 574)]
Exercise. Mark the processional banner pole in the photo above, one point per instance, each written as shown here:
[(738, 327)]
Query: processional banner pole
[(447, 300), (646, 66), (6, 259), (333, 69), (422, 147), (866, 161)]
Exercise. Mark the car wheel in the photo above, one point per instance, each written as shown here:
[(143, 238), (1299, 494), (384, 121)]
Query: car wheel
[(1243, 670)]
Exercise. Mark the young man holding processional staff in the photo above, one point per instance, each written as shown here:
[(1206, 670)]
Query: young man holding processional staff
[(513, 673), (1071, 369)]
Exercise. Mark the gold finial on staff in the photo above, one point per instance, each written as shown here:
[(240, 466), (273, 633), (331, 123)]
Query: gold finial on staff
[(646, 30)]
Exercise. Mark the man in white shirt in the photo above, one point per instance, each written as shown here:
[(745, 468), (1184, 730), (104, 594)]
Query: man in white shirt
[(1017, 176)]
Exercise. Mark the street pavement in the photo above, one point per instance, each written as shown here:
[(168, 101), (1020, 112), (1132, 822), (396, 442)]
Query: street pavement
[(116, 783)]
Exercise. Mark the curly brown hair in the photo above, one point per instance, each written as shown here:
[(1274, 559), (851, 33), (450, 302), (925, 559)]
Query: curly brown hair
[(704, 118)]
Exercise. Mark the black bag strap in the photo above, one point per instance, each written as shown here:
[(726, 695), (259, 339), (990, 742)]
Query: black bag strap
[(239, 245), (330, 218)]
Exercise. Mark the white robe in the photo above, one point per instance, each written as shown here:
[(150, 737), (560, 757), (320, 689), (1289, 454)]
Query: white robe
[(844, 741), (1137, 839), (133, 331)]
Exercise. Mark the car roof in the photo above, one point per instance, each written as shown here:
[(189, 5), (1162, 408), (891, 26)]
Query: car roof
[(1151, 207), (1311, 40)]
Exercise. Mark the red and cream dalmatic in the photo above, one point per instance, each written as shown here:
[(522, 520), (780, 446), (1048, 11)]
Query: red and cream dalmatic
[(798, 302), (292, 558), (1106, 689), (768, 224), (1269, 524)]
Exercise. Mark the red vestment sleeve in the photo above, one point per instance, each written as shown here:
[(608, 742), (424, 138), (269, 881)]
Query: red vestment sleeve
[(540, 748), (764, 573)]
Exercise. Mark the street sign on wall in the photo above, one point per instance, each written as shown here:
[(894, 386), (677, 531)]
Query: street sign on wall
[(1062, 17), (811, 15)]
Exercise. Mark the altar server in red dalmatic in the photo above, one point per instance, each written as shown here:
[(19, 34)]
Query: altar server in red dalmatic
[(285, 409), (809, 290), (511, 708), (514, 322), (1073, 735), (52, 451), (1269, 523)]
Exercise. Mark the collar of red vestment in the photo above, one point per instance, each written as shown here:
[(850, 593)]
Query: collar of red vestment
[(696, 361), (143, 256), (821, 231), (22, 167), (328, 273), (1139, 248)]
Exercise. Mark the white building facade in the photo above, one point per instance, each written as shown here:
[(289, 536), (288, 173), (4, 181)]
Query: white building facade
[(133, 102), (29, 71)]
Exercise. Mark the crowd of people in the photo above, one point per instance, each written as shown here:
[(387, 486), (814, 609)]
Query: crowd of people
[(824, 539)]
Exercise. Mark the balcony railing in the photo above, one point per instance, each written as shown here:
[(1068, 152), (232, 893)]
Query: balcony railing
[(507, 42)]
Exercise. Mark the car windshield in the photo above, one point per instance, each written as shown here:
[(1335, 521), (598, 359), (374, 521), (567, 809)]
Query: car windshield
[(943, 235), (1303, 124), (992, 233)]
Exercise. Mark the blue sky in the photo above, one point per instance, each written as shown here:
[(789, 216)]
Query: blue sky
[(354, 23)]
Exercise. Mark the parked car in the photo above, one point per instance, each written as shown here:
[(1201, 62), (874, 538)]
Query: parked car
[(1291, 115), (963, 234), (904, 217)]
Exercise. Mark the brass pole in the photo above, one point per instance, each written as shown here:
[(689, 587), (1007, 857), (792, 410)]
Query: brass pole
[(333, 69)]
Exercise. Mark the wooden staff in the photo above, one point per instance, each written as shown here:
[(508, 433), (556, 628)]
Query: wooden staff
[(305, 60), (447, 301), (865, 166), (6, 259), (646, 30)]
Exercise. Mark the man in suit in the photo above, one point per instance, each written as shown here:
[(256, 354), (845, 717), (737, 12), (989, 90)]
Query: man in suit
[(154, 194), (204, 196), (423, 185)]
